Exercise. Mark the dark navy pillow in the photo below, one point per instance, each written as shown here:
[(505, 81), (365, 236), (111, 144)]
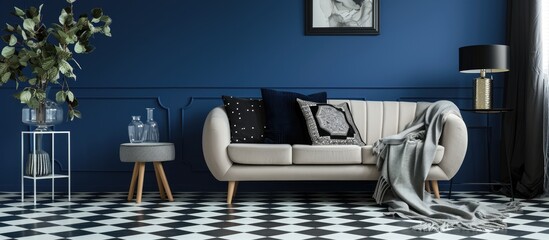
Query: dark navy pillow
[(284, 120)]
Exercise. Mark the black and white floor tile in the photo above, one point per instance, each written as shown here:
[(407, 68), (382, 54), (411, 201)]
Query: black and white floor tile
[(280, 215)]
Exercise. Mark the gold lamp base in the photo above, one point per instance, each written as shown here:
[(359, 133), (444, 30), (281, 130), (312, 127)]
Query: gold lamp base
[(482, 93)]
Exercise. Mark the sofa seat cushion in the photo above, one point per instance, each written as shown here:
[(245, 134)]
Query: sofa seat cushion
[(260, 154), (368, 156), (326, 154)]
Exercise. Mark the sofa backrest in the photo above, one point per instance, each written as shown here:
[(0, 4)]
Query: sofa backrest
[(377, 119)]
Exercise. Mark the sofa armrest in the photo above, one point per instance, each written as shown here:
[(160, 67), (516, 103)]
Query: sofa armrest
[(454, 140), (216, 136)]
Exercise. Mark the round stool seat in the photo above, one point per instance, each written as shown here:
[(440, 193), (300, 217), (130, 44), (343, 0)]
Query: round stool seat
[(147, 152)]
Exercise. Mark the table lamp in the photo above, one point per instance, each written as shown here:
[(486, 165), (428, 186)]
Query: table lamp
[(482, 59)]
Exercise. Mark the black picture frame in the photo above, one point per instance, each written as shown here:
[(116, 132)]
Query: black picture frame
[(372, 29)]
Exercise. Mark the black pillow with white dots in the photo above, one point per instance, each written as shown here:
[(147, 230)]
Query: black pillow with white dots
[(246, 119)]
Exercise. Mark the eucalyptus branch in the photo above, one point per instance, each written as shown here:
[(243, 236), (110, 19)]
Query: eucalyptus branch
[(48, 58)]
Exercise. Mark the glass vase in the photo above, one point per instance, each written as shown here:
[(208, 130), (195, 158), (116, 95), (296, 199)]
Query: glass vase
[(151, 127), (47, 114), (136, 129)]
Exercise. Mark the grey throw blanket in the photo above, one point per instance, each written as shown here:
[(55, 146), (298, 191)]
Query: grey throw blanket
[(404, 161)]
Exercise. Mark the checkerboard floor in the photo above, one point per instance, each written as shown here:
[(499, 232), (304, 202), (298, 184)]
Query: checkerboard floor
[(280, 215)]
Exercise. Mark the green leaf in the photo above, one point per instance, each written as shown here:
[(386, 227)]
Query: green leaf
[(60, 96), (25, 96), (40, 95), (23, 55), (33, 103), (53, 74), (32, 44), (38, 71), (74, 114), (63, 37), (82, 23), (55, 80), (70, 96), (97, 13), (106, 19), (71, 1), (40, 10), (29, 24), (107, 31), (48, 63), (32, 12), (61, 53), (5, 77), (32, 54), (64, 66), (32, 81), (3, 67), (39, 15), (71, 115), (63, 17), (13, 40), (10, 28), (77, 114), (79, 48), (8, 51), (19, 12), (66, 69)]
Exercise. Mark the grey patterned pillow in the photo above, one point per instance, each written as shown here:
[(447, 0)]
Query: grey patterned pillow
[(330, 124)]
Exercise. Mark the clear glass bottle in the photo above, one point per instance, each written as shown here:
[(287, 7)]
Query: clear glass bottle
[(136, 129), (151, 128)]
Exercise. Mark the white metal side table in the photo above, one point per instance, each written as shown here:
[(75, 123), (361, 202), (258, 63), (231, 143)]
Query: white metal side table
[(53, 175)]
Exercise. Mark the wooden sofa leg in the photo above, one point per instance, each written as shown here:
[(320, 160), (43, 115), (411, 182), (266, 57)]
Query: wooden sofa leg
[(427, 186), (231, 191), (435, 188), (235, 188)]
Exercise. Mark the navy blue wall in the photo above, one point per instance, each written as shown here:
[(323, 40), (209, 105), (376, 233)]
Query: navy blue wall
[(180, 56)]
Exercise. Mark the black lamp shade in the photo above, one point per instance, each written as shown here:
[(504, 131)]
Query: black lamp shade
[(492, 58)]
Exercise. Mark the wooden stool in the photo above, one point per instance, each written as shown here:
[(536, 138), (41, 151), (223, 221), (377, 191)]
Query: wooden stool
[(141, 153)]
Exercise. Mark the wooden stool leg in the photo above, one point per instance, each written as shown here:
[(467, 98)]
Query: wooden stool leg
[(231, 190), (140, 182), (164, 180), (427, 186), (132, 183), (435, 188), (159, 182)]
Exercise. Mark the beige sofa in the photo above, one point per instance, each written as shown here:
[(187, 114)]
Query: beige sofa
[(234, 162)]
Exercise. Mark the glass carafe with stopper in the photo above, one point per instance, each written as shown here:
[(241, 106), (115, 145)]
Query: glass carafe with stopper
[(136, 129), (151, 127)]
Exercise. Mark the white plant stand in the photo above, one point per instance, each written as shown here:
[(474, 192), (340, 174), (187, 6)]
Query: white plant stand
[(52, 176)]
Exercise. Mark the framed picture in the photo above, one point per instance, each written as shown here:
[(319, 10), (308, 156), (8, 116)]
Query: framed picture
[(341, 17)]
